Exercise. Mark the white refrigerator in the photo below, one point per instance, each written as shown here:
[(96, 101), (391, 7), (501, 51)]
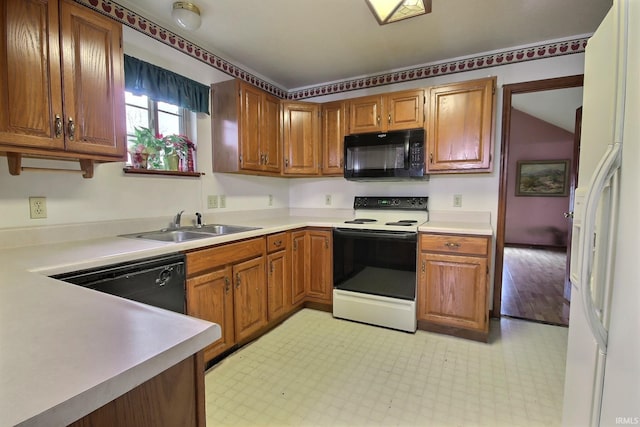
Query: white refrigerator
[(602, 381)]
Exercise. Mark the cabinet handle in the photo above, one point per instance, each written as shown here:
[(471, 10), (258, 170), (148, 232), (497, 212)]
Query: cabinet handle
[(452, 245), (295, 245), (378, 119), (271, 267), (389, 118), (286, 163), (266, 159), (227, 284), (424, 266), (72, 129), (58, 126), (326, 243), (277, 243), (237, 281), (430, 157)]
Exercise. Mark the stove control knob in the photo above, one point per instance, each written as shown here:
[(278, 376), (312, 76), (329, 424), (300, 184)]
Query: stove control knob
[(395, 202), (413, 201)]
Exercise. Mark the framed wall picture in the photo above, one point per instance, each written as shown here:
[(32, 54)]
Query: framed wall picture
[(542, 178)]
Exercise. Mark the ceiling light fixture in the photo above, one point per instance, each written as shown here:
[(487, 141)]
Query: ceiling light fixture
[(387, 11), (186, 15)]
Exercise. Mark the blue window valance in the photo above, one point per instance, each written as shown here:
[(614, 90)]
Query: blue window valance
[(142, 78)]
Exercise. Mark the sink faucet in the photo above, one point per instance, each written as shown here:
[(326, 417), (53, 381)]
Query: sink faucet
[(176, 221), (198, 220)]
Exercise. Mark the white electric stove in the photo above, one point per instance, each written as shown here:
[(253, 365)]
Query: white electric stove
[(374, 261)]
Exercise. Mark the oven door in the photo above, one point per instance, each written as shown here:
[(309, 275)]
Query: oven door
[(375, 262)]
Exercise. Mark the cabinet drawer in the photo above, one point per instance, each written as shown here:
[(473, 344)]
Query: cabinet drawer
[(207, 259), (277, 242), (452, 243)]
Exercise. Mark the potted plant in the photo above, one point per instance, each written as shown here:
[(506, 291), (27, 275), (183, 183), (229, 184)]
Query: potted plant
[(173, 148), (143, 147), (179, 152)]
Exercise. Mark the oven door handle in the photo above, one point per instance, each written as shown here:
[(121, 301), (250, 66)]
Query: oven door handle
[(397, 235)]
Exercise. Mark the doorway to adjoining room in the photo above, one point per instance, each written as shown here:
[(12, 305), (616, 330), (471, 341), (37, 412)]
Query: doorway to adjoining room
[(541, 127)]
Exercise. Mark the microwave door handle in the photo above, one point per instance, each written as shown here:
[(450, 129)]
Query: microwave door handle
[(407, 154)]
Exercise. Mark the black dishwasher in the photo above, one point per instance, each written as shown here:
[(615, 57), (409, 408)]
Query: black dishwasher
[(158, 281)]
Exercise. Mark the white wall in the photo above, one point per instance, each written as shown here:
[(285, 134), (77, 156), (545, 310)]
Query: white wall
[(479, 191), (112, 195)]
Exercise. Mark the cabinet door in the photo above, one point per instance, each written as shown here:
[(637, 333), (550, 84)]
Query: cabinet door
[(452, 290), (320, 282), (270, 139), (299, 266), (301, 137), (210, 297), (405, 110), (250, 297), (30, 80), (333, 131), (365, 114), (250, 123), (93, 85), (460, 127), (278, 283)]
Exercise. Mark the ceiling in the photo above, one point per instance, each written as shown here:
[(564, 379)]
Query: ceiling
[(557, 106), (301, 43)]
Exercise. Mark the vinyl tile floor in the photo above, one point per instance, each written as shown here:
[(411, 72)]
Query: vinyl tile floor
[(314, 370)]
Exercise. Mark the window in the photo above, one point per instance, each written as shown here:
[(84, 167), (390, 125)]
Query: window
[(161, 117), (159, 101)]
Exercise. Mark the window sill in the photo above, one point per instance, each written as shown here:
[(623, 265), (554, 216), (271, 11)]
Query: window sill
[(130, 170)]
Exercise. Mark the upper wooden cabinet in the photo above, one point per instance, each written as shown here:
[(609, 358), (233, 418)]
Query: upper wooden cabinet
[(382, 113), (334, 124), (460, 127), (245, 125), (61, 81), (301, 138)]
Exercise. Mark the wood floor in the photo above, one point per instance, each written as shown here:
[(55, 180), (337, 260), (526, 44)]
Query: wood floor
[(532, 285)]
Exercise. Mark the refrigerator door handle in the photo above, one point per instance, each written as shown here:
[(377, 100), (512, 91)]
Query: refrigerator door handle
[(606, 169)]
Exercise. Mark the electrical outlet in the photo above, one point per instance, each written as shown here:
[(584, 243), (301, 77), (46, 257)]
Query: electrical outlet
[(327, 199), (457, 200), (270, 199), (212, 202), (223, 201), (38, 207)]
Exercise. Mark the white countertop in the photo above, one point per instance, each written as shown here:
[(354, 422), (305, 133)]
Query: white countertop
[(66, 350)]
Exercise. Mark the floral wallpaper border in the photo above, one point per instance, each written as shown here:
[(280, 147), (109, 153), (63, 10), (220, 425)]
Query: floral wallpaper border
[(151, 29)]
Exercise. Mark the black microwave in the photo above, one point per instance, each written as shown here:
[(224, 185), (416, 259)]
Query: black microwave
[(391, 156)]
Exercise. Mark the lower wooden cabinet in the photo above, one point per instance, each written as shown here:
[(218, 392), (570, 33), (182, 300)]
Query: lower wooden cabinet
[(210, 297), (279, 274), (246, 285), (174, 397), (299, 265), (249, 297), (312, 266), (226, 285), (453, 284)]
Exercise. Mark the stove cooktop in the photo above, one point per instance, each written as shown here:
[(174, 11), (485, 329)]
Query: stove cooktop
[(389, 212)]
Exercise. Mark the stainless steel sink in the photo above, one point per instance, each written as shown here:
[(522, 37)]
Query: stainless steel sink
[(185, 234), (170, 235), (222, 229)]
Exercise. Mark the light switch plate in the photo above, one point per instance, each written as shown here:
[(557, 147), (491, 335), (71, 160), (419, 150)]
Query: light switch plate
[(212, 202)]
